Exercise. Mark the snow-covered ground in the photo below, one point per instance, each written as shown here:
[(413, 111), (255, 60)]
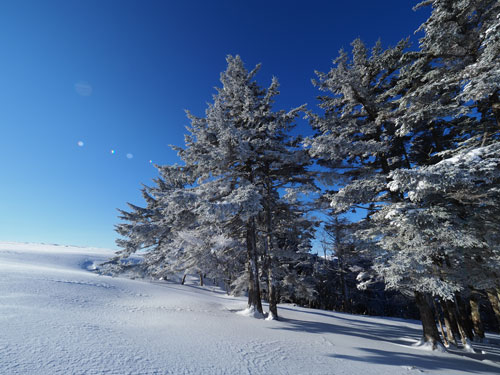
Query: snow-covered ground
[(57, 317)]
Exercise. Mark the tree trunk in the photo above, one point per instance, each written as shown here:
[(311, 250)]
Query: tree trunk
[(466, 340), (227, 282), (343, 288), (271, 285), (450, 323), (476, 318), (340, 252), (437, 313), (183, 279), (495, 305), (273, 303), (464, 316), (201, 279), (254, 300), (430, 332)]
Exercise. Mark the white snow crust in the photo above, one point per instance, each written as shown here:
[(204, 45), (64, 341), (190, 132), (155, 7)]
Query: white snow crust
[(58, 317)]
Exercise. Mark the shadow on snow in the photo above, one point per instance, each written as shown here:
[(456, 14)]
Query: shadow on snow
[(455, 359)]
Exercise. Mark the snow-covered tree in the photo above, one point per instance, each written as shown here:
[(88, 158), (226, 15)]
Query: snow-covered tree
[(391, 114), (238, 161), (285, 230), (287, 244), (356, 137), (153, 228), (456, 71), (435, 239), (242, 143), (443, 239), (359, 139)]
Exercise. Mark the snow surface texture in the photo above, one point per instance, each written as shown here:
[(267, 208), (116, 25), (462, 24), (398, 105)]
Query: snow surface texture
[(57, 317)]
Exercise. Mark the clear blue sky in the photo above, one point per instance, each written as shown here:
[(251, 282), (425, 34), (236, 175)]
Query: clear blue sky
[(117, 75)]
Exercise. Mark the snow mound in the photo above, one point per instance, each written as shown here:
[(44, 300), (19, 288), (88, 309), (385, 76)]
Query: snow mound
[(251, 312), (429, 346)]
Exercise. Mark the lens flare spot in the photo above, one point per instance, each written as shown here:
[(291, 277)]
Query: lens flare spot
[(130, 156), (150, 161), (83, 89), (80, 143), (112, 152)]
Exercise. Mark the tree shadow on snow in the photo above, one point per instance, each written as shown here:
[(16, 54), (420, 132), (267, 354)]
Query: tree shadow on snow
[(421, 361), (368, 330), (396, 334)]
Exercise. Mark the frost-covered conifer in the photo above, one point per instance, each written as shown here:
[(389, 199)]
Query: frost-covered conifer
[(237, 159), (153, 229), (357, 136), (443, 239), (287, 243), (241, 143), (392, 113), (455, 205), (437, 239), (456, 72)]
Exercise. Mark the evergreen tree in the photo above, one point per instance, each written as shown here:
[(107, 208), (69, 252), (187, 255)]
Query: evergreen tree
[(244, 144), (238, 160), (434, 107), (434, 239)]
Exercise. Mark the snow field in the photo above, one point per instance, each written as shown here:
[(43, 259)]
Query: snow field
[(57, 317)]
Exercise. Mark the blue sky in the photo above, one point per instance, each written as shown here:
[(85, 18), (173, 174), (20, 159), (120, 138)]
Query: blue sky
[(117, 75)]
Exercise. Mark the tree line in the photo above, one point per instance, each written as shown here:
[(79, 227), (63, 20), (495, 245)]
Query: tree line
[(409, 137)]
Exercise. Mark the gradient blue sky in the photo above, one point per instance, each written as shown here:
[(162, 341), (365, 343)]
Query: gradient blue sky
[(117, 75)]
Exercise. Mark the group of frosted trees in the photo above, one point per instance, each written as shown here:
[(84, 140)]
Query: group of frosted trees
[(409, 136)]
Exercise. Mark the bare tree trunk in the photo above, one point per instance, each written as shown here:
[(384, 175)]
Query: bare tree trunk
[(438, 318), (450, 323), (476, 317), (340, 252), (183, 279), (466, 340), (430, 332), (269, 255), (273, 303), (271, 283), (254, 300), (227, 282), (464, 316), (343, 288), (463, 335), (495, 305), (201, 279)]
